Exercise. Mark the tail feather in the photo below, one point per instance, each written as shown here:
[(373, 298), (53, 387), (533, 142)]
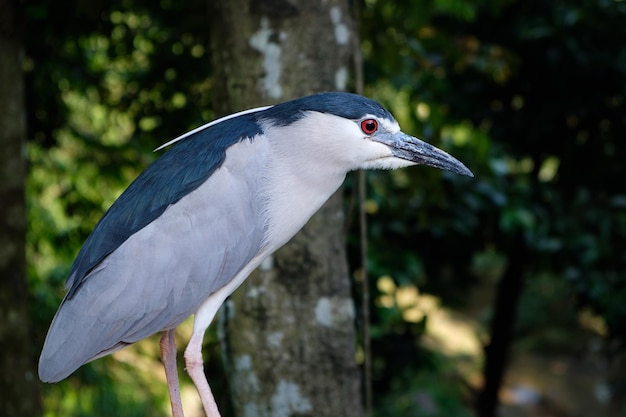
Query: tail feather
[(74, 340)]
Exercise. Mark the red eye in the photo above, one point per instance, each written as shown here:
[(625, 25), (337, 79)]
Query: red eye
[(369, 126)]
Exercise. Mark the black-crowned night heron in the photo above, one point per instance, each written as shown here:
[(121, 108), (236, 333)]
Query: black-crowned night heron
[(192, 227)]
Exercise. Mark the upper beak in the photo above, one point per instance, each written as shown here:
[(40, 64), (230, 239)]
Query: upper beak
[(415, 150)]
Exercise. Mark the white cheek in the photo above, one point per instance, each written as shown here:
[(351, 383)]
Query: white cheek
[(388, 163), (375, 155)]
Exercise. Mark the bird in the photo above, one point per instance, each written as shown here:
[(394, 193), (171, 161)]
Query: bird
[(200, 218)]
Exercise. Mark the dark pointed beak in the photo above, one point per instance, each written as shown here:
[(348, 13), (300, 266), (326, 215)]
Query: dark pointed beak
[(417, 151)]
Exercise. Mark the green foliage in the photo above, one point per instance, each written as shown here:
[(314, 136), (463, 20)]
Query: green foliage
[(123, 80), (425, 394), (531, 96), (107, 387)]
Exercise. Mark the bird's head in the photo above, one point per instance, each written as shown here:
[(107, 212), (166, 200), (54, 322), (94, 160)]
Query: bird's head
[(355, 130), (348, 131)]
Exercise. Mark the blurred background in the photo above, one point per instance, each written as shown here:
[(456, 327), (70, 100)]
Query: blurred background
[(510, 285)]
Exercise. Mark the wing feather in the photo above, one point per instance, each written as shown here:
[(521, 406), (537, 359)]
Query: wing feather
[(164, 271), (168, 179)]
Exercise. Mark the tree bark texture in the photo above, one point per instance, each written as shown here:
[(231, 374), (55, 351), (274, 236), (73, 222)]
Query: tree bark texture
[(289, 335), (19, 395)]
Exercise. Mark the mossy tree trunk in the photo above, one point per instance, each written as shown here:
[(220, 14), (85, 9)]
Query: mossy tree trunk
[(19, 394), (289, 334)]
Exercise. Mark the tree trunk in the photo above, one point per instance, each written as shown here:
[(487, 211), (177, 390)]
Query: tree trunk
[(509, 291), (19, 394), (289, 336)]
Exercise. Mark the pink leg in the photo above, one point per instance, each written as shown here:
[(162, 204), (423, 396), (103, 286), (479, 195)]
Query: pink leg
[(195, 369), (168, 354)]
